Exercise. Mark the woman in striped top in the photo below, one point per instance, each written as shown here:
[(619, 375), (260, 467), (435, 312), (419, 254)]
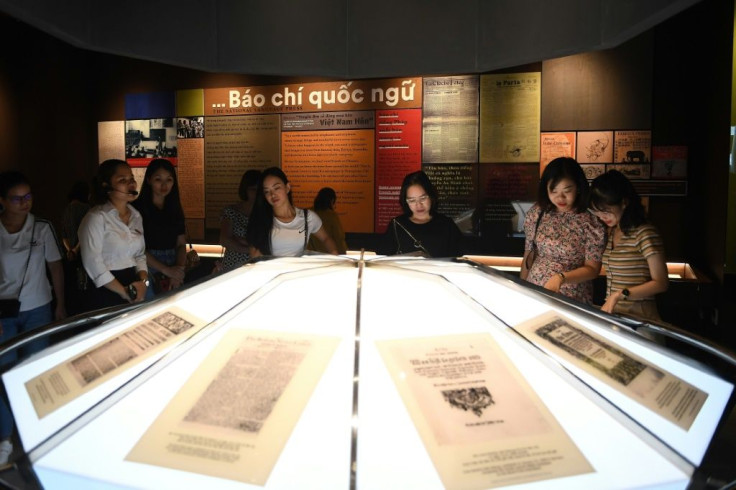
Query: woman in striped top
[(634, 255)]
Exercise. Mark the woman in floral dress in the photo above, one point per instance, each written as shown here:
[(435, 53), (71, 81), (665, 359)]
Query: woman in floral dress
[(568, 241), (234, 223)]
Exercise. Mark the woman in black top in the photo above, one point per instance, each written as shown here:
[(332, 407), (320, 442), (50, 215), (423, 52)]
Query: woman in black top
[(163, 225), (421, 230)]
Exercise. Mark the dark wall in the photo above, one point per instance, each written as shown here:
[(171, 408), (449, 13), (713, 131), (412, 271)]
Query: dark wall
[(675, 79), (45, 125), (692, 101)]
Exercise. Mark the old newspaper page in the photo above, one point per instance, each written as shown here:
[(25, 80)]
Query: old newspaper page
[(233, 417), (65, 382), (480, 421), (653, 387)]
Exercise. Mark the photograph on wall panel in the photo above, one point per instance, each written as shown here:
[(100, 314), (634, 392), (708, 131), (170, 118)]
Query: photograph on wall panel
[(595, 147), (510, 110), (450, 124), (190, 127), (146, 139), (457, 190)]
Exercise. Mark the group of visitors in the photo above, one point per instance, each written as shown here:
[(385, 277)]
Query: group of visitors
[(574, 229), (125, 245)]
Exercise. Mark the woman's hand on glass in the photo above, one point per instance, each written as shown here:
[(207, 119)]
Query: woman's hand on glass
[(611, 302), (554, 283)]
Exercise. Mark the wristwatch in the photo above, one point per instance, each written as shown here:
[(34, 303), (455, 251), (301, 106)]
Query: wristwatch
[(146, 282), (562, 277), (625, 293)]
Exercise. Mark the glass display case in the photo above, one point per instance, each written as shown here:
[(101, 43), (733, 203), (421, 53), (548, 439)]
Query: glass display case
[(341, 372)]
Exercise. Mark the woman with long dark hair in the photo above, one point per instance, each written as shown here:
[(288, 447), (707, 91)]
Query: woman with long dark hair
[(634, 257), (278, 228), (111, 237), (421, 229), (564, 243), (163, 226)]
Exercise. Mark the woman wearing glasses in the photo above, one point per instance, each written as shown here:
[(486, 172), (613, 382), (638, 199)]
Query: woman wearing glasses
[(276, 227), (28, 246), (111, 238), (634, 256), (421, 230), (564, 243)]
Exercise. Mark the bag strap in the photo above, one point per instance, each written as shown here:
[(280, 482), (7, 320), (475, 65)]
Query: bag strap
[(536, 227), (189, 238), (306, 228), (396, 236), (417, 243), (28, 260), (533, 249)]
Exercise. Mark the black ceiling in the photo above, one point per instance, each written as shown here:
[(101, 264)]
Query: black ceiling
[(348, 39)]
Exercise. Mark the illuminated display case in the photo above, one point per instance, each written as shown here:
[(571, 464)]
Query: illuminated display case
[(337, 372)]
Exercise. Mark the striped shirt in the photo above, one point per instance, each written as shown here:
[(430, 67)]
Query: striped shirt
[(626, 263)]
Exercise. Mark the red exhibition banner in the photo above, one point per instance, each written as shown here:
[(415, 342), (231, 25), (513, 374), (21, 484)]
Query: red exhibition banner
[(398, 152)]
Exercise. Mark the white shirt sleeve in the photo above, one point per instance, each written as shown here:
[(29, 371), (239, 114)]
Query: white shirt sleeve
[(91, 240)]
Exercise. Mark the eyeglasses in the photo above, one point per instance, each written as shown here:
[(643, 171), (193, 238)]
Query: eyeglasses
[(20, 199), (421, 199), (601, 214)]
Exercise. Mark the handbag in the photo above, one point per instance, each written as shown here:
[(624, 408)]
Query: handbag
[(532, 255), (161, 283), (10, 308), (192, 259)]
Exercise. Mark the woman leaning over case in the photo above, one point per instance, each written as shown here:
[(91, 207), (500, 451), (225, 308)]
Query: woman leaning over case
[(421, 229), (563, 239), (163, 226), (634, 256), (111, 237), (278, 228)]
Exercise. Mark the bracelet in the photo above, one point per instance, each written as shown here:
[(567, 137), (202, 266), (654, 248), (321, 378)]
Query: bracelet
[(562, 277)]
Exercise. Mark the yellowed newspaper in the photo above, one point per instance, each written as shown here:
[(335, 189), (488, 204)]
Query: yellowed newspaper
[(63, 383), (662, 392), (233, 417), (480, 421)]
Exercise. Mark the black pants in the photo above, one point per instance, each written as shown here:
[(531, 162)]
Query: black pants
[(102, 297)]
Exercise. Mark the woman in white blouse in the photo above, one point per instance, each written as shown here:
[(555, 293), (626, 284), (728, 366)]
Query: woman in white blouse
[(111, 239)]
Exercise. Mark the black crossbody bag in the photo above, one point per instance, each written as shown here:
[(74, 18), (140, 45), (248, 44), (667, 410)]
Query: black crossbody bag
[(10, 308)]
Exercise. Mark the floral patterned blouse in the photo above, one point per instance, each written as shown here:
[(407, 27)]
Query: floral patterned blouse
[(564, 242), (239, 222)]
